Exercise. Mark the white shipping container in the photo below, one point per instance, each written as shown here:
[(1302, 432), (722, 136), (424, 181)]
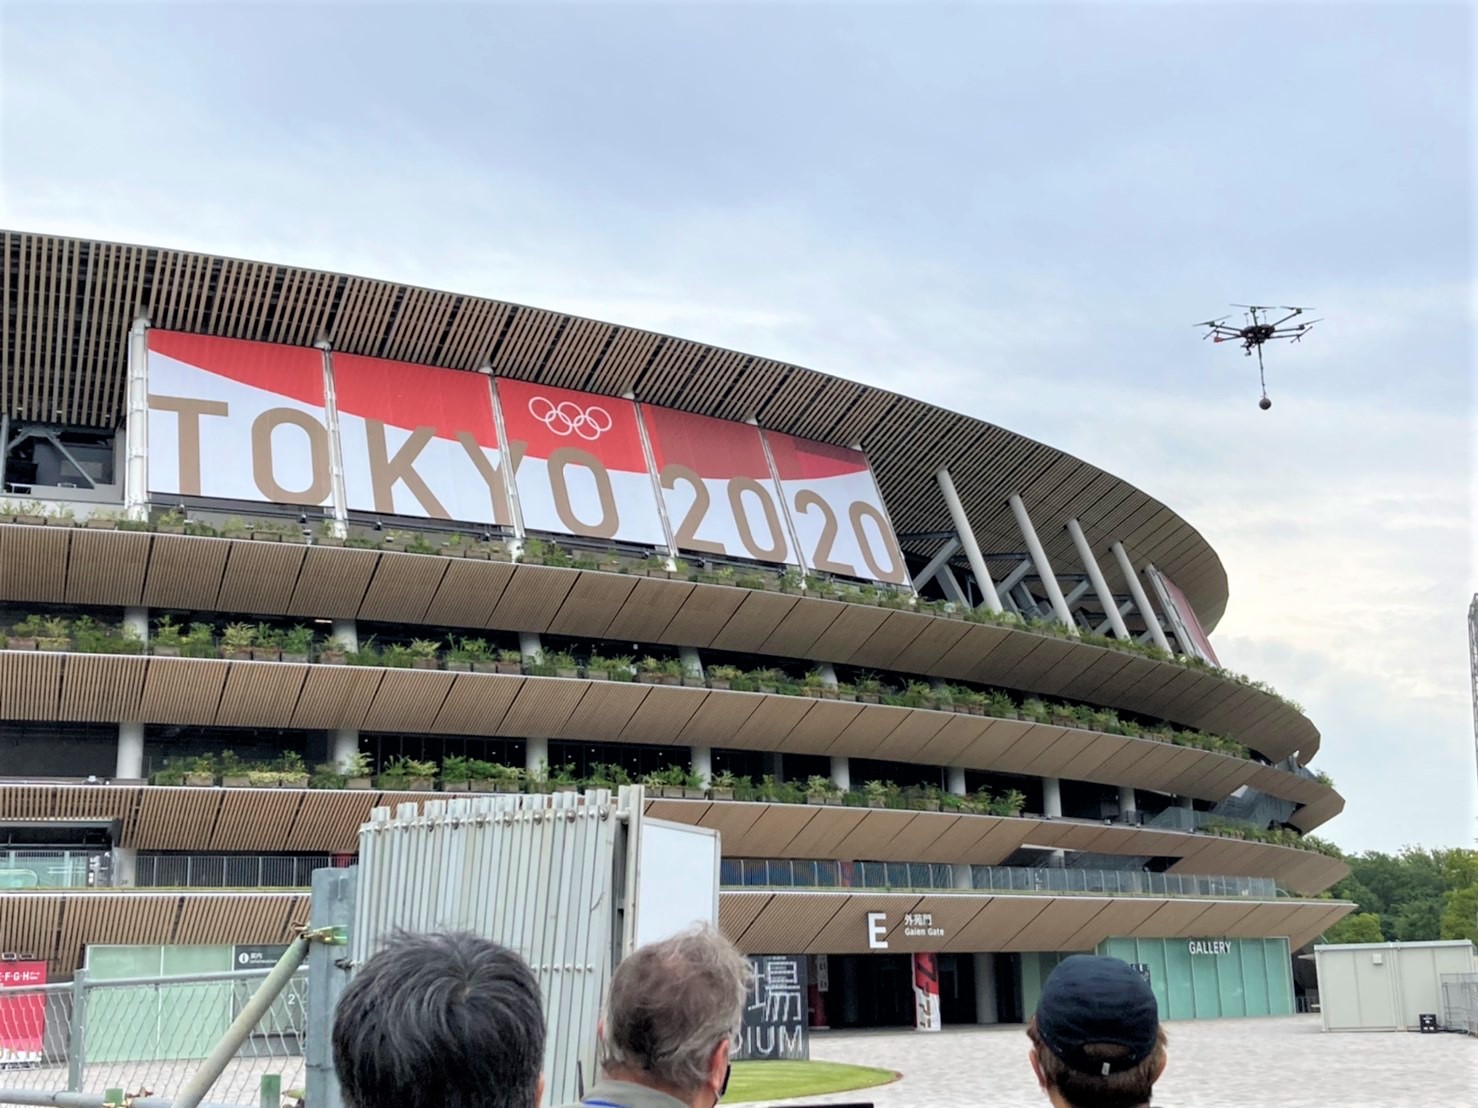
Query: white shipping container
[(1386, 986)]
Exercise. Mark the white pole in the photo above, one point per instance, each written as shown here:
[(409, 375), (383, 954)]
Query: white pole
[(967, 540), (1141, 598), (1039, 559), (136, 430), (1100, 586)]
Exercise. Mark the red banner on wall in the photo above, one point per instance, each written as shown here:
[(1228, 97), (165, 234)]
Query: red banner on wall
[(926, 992), (717, 486), (22, 1015), (836, 510), (583, 470), (237, 420), (419, 441)]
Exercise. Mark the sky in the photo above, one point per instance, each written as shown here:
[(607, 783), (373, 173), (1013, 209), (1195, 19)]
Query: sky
[(1012, 210)]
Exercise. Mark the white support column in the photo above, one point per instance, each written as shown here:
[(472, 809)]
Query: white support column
[(346, 634), (692, 663), (956, 780), (828, 674), (985, 989), (536, 756), (957, 515), (125, 866), (136, 621), (1128, 809), (1100, 586), (1141, 599), (530, 646), (841, 771), (136, 430), (702, 759), (1039, 559), (339, 506), (1052, 808), (1186, 802), (343, 745), (961, 875), (130, 763), (1052, 797)]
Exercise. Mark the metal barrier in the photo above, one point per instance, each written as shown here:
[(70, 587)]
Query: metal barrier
[(52, 869), (153, 1033), (227, 871), (1460, 1002), (784, 873)]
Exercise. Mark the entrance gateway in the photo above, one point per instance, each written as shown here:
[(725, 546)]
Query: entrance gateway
[(903, 968)]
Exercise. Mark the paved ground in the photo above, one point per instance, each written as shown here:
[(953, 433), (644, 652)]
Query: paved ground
[(1248, 1063)]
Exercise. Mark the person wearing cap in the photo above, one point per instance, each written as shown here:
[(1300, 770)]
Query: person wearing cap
[(1096, 1035)]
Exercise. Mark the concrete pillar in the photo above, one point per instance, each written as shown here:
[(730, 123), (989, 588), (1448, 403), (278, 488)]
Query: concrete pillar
[(136, 620), (1128, 809), (530, 646), (1052, 797), (125, 867), (956, 782), (962, 875), (1186, 802), (966, 536), (343, 745), (985, 989), (702, 758), (536, 756), (130, 763), (346, 634), (692, 663), (1141, 599), (1039, 559), (779, 767), (828, 674), (1052, 808), (841, 771)]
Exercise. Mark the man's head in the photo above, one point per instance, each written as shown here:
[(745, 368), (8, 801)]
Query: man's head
[(1096, 1035), (673, 1012), (446, 1020)]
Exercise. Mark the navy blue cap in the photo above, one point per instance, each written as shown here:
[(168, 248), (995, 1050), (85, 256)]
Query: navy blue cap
[(1091, 999)]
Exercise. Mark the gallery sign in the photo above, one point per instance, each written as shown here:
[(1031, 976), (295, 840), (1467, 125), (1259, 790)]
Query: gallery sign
[(260, 422), (1209, 946), (775, 1011)]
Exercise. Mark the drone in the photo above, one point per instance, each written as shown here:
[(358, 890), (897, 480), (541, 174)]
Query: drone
[(1260, 328)]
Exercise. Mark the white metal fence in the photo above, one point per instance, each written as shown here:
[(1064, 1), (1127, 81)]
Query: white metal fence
[(1460, 1002), (147, 1036)]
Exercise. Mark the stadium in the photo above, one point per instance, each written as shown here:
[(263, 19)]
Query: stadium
[(281, 546)]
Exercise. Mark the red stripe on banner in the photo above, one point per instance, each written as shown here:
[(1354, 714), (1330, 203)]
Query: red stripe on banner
[(803, 460), (547, 419), (22, 1018), (406, 395), (716, 449), (290, 371)]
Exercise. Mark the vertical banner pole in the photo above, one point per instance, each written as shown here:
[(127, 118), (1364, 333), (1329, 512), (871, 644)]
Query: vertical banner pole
[(789, 524), (926, 992), (651, 457), (505, 453), (136, 430), (340, 495)]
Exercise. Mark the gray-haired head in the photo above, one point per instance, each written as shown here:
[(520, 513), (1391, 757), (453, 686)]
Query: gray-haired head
[(671, 1005)]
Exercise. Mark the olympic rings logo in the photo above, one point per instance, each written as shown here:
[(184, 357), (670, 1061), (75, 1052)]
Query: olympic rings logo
[(568, 418)]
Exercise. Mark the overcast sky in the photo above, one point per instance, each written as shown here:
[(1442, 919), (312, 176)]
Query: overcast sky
[(1012, 210)]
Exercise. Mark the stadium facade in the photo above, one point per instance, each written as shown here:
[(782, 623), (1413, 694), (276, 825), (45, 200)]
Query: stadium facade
[(947, 693)]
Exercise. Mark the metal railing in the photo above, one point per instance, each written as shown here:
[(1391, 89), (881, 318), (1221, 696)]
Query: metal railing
[(52, 869), (227, 871), (1460, 1002), (783, 873), (88, 1036)]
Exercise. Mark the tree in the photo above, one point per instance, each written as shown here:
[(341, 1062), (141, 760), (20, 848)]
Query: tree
[(1460, 919), (1419, 920), (1358, 927)]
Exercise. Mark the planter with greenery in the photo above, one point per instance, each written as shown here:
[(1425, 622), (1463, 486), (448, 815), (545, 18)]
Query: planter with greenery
[(201, 772), (167, 641), (291, 771), (425, 654), (237, 640), (723, 677), (561, 663), (471, 654), (721, 786), (822, 790), (659, 671), (509, 662), (456, 774), (608, 775), (326, 775), (26, 633), (923, 798), (563, 779), (261, 777), (297, 643), (234, 774), (170, 776), (199, 642), (356, 770), (408, 775), (602, 667)]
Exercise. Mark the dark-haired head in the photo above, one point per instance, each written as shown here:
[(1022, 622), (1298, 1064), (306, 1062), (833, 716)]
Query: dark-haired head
[(444, 1020)]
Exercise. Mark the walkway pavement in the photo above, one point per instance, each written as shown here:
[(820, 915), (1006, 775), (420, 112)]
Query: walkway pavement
[(1235, 1063)]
